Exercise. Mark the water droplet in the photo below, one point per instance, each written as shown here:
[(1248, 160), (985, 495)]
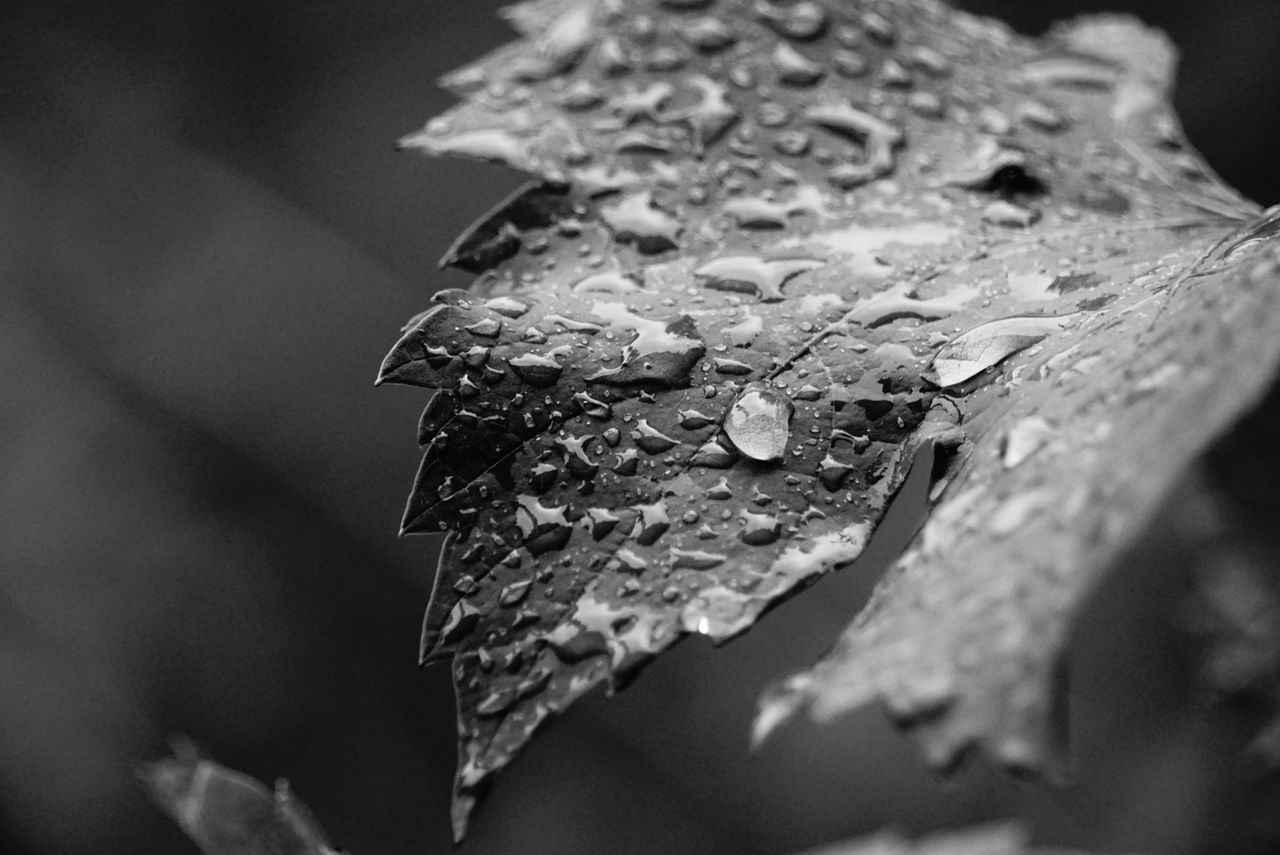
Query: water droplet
[(832, 472), (496, 702), (1031, 287), (634, 103), (794, 68), (601, 521), (508, 306), (742, 334), (1041, 117), (894, 76), (929, 60), (486, 328), (612, 57), (579, 96), (879, 139), (730, 366), (709, 35), (1071, 70), (500, 145), (759, 423), (713, 455), (760, 529), (635, 220), (593, 407), (694, 420), (543, 476), (864, 246), (514, 593), (1002, 213), (720, 491), (460, 622), (803, 20), (1014, 512), (696, 559), (652, 440), (926, 104), (986, 345), (560, 45), (577, 461), (660, 352), (1073, 282), (628, 462), (850, 63), (754, 275), (1024, 439), (652, 524), (713, 114), (993, 121), (879, 27), (543, 529), (536, 370), (758, 212), (608, 282)]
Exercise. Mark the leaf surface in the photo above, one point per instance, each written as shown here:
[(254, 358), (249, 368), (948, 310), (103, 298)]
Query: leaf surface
[(771, 251)]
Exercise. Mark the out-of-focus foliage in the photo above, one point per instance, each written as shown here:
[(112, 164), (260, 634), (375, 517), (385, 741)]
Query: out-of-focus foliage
[(994, 839), (777, 249), (229, 813)]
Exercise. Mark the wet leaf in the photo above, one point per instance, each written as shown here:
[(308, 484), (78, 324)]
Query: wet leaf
[(228, 813), (1003, 838), (772, 250)]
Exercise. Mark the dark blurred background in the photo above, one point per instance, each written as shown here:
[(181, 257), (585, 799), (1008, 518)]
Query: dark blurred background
[(206, 246)]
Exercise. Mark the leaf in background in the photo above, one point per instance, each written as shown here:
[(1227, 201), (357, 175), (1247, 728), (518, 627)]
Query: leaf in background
[(1003, 838), (775, 249), (228, 813)]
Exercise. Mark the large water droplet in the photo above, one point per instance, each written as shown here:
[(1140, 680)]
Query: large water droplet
[(759, 423)]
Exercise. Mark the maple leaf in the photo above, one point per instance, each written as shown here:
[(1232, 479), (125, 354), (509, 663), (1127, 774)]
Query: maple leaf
[(773, 250)]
